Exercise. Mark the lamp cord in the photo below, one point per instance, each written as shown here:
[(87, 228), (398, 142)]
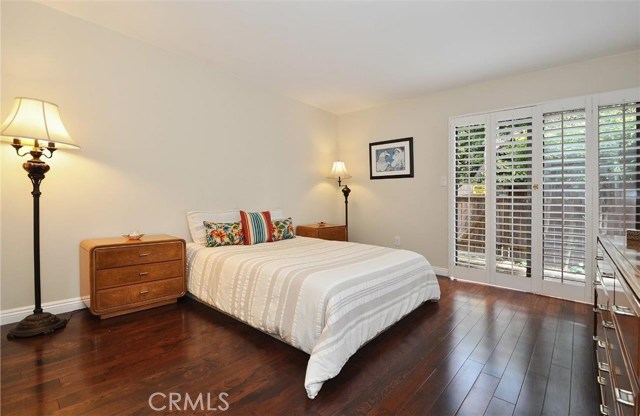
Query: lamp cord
[(74, 313)]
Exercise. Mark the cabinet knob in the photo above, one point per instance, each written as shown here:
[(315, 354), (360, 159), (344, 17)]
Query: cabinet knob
[(143, 273), (144, 292), (608, 324), (144, 254), (603, 366)]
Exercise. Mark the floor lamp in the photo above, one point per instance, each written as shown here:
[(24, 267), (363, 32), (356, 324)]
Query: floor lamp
[(339, 172), (36, 124)]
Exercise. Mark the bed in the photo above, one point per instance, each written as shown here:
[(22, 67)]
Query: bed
[(325, 298)]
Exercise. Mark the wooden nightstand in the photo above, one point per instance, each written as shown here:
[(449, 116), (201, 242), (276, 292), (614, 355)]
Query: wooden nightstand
[(326, 231), (119, 276)]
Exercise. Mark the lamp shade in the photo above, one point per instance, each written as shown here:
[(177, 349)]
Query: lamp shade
[(339, 171), (31, 119)]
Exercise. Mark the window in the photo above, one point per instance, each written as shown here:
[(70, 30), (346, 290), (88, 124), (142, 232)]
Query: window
[(619, 172), (564, 195), (470, 185), (513, 180)]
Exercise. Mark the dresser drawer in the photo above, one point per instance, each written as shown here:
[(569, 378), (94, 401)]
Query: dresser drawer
[(623, 313), (138, 274), (337, 234), (325, 232), (140, 293), (137, 254), (603, 372)]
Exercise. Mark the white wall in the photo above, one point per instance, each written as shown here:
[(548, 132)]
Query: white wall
[(416, 209), (162, 133), (159, 134)]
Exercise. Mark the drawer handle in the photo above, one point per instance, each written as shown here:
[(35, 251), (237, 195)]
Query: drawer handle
[(601, 380), (603, 366), (608, 324), (623, 396), (607, 275), (599, 257), (143, 273), (602, 307), (144, 292), (144, 254), (596, 282), (622, 310), (601, 343), (604, 410)]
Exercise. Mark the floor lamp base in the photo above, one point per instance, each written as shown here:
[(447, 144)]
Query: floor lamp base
[(37, 324)]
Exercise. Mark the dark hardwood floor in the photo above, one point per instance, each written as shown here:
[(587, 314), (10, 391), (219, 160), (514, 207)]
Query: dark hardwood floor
[(479, 351)]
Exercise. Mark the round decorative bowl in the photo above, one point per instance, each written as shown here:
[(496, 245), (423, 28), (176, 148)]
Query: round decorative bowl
[(133, 236)]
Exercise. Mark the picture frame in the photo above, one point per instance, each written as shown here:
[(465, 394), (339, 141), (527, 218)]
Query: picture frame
[(391, 159)]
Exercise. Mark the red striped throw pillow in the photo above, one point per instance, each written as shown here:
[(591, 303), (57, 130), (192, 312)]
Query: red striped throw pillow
[(257, 227)]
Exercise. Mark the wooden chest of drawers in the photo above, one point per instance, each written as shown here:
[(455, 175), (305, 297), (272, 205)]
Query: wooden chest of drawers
[(617, 326), (325, 232), (119, 276)]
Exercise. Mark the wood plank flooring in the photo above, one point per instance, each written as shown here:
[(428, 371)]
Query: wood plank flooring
[(479, 351)]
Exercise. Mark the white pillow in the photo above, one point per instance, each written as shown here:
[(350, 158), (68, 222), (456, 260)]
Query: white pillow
[(196, 221), (276, 214)]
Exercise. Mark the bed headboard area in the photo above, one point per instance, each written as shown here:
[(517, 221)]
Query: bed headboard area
[(196, 221)]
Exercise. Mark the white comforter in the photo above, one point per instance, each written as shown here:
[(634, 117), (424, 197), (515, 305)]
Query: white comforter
[(326, 298)]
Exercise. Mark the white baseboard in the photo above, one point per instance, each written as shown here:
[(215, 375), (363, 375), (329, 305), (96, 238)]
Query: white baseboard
[(10, 316), (441, 271)]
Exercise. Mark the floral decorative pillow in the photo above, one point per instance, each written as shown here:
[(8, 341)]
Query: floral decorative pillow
[(223, 233), (283, 229)]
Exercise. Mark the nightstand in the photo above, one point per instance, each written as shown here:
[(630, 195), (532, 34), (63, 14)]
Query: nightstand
[(119, 276), (325, 232)]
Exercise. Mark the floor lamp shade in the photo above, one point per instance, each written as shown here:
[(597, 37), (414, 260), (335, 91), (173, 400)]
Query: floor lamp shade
[(37, 125), (32, 120)]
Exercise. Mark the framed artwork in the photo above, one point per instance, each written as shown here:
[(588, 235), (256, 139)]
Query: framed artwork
[(391, 159)]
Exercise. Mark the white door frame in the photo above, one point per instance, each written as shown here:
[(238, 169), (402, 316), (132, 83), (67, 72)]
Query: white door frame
[(574, 291)]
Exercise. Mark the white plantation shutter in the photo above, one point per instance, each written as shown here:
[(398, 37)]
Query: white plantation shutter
[(556, 174), (619, 172), (513, 197), (564, 195), (470, 203)]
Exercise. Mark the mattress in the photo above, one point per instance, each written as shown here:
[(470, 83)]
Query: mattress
[(325, 298)]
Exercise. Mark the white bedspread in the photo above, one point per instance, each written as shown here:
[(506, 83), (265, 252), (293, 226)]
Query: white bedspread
[(326, 298)]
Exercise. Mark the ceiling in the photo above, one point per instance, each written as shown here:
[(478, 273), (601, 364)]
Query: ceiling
[(344, 56)]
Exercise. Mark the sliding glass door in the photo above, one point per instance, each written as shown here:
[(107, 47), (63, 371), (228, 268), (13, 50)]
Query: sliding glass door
[(566, 206), (493, 233), (533, 186)]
